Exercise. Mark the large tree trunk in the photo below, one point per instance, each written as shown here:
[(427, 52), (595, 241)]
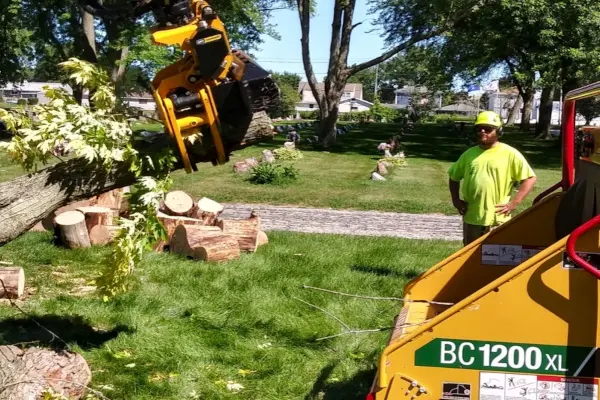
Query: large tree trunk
[(27, 374), (30, 198), (545, 113), (514, 111), (527, 108)]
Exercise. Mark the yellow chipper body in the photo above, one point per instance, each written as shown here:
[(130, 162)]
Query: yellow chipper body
[(514, 315)]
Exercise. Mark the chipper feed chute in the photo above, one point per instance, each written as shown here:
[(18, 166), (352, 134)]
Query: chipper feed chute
[(514, 315)]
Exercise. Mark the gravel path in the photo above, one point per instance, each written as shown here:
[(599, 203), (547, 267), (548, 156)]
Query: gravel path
[(367, 223)]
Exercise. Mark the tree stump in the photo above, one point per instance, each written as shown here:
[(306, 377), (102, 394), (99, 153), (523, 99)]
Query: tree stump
[(178, 203), (34, 370), (72, 230), (201, 244), (208, 210), (245, 230), (12, 282)]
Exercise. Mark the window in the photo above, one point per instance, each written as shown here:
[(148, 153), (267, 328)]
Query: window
[(347, 95)]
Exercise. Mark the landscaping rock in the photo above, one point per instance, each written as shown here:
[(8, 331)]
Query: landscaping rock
[(252, 162), (268, 157), (289, 145)]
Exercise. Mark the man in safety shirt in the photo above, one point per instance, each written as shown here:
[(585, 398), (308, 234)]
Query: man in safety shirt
[(488, 173)]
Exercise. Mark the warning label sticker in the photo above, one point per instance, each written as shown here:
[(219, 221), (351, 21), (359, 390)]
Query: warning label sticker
[(498, 386), (506, 254), (456, 391)]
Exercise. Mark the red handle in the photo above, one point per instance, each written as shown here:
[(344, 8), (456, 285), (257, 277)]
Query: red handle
[(548, 191), (571, 246)]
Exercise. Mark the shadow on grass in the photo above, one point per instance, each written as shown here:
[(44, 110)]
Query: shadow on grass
[(355, 388), (383, 271), (74, 330), (436, 141)]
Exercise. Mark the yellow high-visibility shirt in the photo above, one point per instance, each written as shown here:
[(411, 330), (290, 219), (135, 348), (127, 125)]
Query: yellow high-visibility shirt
[(488, 178)]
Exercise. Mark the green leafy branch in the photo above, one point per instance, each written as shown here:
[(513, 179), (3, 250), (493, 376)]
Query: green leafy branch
[(98, 134)]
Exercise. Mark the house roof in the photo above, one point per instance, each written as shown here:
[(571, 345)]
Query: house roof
[(359, 101), (458, 107), (357, 88)]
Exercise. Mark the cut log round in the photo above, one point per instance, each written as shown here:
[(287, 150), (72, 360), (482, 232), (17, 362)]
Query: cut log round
[(99, 235), (245, 230), (13, 282), (170, 223), (262, 238), (72, 230), (111, 199), (97, 221), (218, 248), (178, 203), (208, 210), (186, 238), (34, 370), (97, 216)]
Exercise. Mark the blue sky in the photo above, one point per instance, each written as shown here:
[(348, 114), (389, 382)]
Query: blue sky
[(286, 54)]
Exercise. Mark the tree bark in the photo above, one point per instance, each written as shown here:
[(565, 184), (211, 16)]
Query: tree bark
[(72, 230), (12, 283), (545, 113), (527, 108), (193, 241), (246, 231), (514, 111), (26, 374), (218, 248), (170, 223), (30, 198)]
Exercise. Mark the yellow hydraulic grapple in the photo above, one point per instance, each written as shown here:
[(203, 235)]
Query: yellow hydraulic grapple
[(514, 315), (211, 89)]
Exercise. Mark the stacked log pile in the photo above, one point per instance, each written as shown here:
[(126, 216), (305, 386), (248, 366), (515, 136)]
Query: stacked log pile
[(196, 230), (193, 229)]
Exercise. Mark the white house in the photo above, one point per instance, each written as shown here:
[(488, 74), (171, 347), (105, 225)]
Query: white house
[(352, 98), (402, 96)]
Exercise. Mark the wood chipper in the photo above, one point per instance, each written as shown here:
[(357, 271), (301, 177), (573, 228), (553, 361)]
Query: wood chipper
[(514, 315)]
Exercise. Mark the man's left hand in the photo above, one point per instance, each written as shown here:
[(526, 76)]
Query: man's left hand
[(506, 209)]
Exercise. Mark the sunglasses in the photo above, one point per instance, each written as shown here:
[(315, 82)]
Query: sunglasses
[(486, 128)]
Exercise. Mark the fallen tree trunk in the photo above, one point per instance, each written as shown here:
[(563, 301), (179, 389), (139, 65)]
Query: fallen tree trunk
[(30, 198), (27, 374)]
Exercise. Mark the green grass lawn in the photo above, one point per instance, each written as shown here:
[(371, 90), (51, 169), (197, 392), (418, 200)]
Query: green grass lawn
[(190, 327), (340, 178)]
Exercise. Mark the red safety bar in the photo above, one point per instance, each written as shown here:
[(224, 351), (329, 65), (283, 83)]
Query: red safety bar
[(592, 223)]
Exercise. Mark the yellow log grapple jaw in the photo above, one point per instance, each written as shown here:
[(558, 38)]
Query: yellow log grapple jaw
[(211, 89)]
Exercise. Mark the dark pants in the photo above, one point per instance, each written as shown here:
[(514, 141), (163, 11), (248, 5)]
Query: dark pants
[(474, 232)]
